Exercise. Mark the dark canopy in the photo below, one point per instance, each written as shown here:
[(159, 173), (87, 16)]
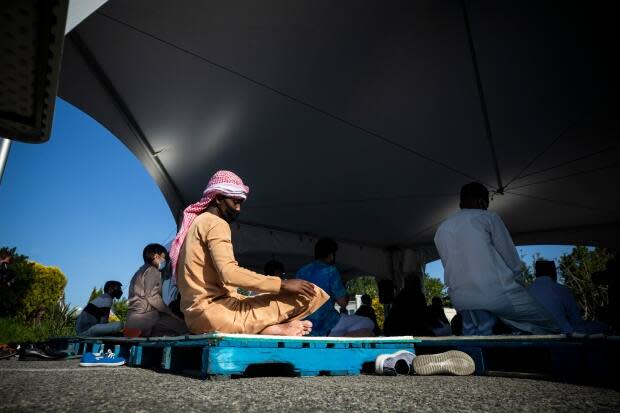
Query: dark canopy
[(361, 120)]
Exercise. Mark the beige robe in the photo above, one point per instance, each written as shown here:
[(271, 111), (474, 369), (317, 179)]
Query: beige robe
[(146, 308), (208, 277)]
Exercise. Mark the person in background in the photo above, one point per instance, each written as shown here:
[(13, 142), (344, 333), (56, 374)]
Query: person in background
[(483, 270), (326, 321), (274, 268), (610, 277), (147, 311), (559, 301), (439, 322), (409, 315), (7, 275), (366, 310), (93, 320)]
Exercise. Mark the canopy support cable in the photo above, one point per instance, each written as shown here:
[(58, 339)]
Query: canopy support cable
[(93, 64), (483, 104), (546, 149), (299, 101)]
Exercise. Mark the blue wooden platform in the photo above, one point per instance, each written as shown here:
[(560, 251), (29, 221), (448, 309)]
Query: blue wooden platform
[(579, 359), (229, 355)]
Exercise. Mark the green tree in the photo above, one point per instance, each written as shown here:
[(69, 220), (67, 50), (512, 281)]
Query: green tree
[(367, 285), (35, 290), (576, 271), (96, 292), (433, 287), (120, 309)]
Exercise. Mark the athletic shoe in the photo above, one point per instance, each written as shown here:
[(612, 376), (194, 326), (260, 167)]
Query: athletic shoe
[(452, 362), (108, 359), (395, 363)]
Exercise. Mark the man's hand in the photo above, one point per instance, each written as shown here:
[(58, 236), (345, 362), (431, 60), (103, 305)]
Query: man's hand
[(298, 287)]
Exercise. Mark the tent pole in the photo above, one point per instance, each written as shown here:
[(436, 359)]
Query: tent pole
[(5, 146)]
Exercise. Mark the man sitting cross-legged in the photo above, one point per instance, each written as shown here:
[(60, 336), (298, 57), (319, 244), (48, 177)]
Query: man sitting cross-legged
[(323, 272), (208, 275)]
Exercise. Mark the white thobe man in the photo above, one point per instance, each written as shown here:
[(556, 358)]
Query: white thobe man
[(482, 270)]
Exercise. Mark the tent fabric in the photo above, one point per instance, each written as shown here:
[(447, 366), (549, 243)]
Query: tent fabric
[(362, 120)]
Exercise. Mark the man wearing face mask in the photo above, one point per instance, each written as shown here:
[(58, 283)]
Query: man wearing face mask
[(208, 275), (482, 270), (93, 320), (147, 311)]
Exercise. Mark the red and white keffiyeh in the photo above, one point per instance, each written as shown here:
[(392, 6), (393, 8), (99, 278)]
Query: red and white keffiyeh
[(221, 183)]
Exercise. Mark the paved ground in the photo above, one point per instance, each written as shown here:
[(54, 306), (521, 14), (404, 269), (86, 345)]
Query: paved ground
[(64, 386)]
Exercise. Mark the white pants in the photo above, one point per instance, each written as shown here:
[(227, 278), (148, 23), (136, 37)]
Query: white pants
[(516, 308), (349, 323)]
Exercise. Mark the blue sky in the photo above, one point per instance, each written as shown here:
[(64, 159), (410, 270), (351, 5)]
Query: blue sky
[(84, 203), (81, 202)]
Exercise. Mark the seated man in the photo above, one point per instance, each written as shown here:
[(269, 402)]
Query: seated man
[(560, 302), (147, 311), (93, 320), (482, 270), (366, 310), (439, 322), (322, 272), (208, 275), (409, 315)]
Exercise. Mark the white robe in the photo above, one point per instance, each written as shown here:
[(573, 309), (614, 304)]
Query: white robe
[(482, 270)]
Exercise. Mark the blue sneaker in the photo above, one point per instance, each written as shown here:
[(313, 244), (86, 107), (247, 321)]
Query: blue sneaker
[(108, 359)]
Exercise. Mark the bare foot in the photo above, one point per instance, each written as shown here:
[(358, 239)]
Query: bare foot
[(307, 325), (292, 328)]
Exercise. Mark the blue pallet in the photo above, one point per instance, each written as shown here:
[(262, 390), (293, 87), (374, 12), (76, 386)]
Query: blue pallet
[(228, 355)]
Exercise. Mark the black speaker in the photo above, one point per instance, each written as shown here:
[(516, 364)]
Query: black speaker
[(386, 291), (32, 43)]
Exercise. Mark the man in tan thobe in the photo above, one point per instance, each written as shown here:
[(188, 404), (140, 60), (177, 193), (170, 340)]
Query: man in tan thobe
[(208, 275)]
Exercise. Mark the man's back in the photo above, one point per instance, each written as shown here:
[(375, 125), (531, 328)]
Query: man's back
[(97, 311), (478, 256), (558, 301), (328, 278)]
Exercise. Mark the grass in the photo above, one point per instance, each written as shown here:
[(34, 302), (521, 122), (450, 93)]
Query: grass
[(59, 320), (16, 331)]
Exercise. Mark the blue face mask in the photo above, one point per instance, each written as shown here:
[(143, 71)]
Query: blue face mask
[(162, 265)]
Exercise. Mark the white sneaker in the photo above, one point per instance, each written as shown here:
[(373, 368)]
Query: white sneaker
[(395, 363), (451, 362)]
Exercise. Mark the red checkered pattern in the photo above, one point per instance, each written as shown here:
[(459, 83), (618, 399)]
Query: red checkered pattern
[(222, 182)]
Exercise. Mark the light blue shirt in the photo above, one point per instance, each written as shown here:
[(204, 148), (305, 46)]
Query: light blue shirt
[(558, 300), (328, 278)]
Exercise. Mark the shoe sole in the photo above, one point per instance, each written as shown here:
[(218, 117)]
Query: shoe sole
[(381, 358), (120, 363), (451, 362)]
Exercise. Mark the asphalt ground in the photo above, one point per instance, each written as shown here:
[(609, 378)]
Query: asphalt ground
[(64, 386)]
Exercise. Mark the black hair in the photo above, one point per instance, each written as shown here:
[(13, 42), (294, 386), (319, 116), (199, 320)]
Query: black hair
[(545, 268), (324, 247), (473, 191), (273, 266), (366, 299), (151, 250), (110, 284)]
